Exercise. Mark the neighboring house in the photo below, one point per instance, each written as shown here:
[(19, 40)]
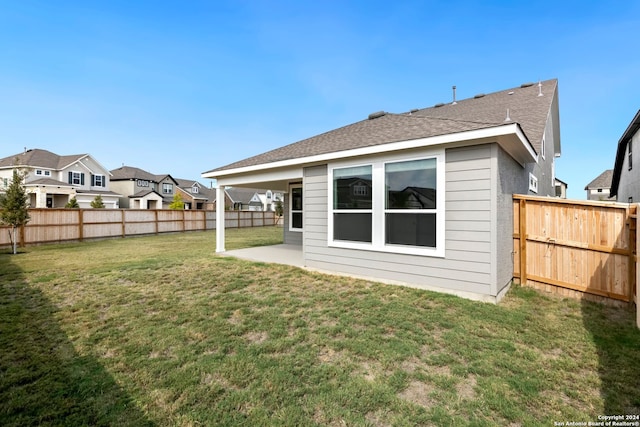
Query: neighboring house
[(431, 201), (600, 187), (197, 196), (142, 189), (561, 189), (253, 199), (53, 180), (625, 182)]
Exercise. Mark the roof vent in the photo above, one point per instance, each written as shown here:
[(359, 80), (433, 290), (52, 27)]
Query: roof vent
[(480, 95), (415, 110), (540, 89), (508, 119), (454, 95), (376, 115), (529, 84), (439, 104)]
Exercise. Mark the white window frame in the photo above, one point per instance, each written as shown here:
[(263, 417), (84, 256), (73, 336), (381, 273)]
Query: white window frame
[(292, 211), (379, 209), (38, 171), (103, 182), (73, 178), (543, 148), (194, 190), (167, 186), (533, 183)]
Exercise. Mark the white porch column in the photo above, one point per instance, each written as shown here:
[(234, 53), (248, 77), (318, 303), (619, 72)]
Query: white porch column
[(220, 202)]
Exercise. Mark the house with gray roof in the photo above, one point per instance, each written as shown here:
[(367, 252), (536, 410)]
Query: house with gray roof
[(600, 187), (142, 189), (52, 180), (625, 180), (431, 200)]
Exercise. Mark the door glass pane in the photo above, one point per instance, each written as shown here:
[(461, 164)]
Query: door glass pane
[(296, 220), (352, 188), (296, 199), (413, 229), (354, 227), (411, 185)]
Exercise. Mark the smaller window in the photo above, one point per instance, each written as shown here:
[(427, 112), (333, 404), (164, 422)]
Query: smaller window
[(630, 157), (38, 172), (599, 190), (194, 190), (47, 173), (6, 182), (99, 181), (533, 183), (167, 188), (543, 150), (630, 199)]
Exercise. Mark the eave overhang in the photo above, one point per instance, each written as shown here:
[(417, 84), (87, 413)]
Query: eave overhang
[(509, 136)]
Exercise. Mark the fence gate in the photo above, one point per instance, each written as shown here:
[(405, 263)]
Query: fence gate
[(568, 246)]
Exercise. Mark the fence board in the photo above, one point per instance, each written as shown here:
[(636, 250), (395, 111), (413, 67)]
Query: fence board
[(585, 247), (61, 225)]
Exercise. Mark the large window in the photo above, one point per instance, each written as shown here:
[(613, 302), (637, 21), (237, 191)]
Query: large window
[(352, 204), (410, 199), (295, 208), (395, 204), (167, 188)]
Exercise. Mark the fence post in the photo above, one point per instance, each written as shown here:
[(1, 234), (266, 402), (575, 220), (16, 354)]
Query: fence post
[(632, 222), (523, 242), (124, 225), (80, 224)]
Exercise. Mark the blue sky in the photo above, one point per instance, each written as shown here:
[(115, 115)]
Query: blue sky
[(183, 87)]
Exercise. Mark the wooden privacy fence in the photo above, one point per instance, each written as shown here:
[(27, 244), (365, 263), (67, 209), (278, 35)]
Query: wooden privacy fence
[(568, 246), (61, 225)]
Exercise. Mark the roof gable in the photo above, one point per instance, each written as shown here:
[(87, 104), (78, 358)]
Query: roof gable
[(521, 105), (601, 181)]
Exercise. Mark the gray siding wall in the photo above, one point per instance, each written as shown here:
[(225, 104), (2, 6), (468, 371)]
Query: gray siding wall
[(629, 185), (511, 179), (467, 265), (290, 237), (544, 170)]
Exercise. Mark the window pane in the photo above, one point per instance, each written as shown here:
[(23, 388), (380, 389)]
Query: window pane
[(411, 185), (296, 220), (414, 229), (296, 199), (352, 226), (352, 188)]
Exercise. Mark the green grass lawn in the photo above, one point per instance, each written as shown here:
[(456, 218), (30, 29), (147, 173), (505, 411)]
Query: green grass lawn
[(161, 331)]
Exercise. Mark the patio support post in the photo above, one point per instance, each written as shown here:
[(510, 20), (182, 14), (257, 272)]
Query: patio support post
[(220, 206)]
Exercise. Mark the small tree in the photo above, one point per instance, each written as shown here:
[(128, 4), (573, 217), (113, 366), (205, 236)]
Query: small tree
[(14, 207), (72, 203), (177, 203), (97, 203), (279, 210)]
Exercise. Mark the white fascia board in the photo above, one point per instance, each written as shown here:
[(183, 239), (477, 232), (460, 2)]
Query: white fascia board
[(480, 134), (257, 175)]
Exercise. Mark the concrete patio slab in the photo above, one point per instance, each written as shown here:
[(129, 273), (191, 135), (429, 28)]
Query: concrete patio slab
[(277, 254)]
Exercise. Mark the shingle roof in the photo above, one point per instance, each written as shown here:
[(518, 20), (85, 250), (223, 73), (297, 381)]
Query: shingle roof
[(130, 172), (40, 158), (602, 181), (525, 107)]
